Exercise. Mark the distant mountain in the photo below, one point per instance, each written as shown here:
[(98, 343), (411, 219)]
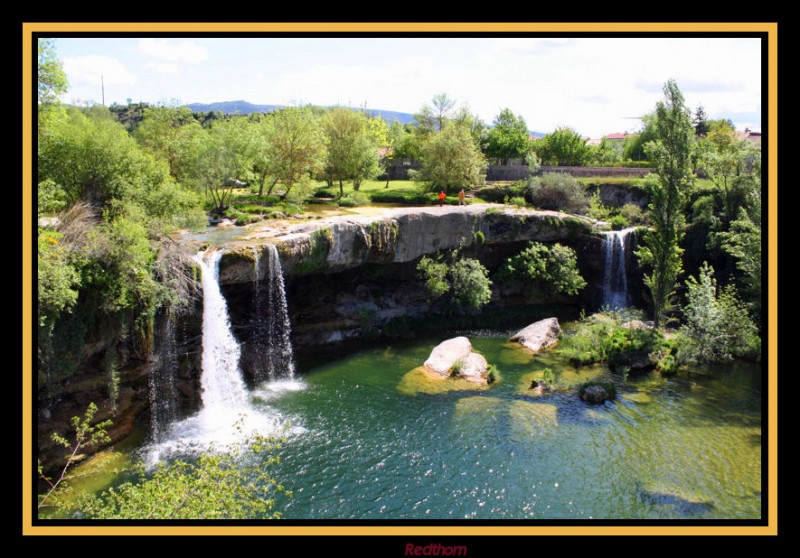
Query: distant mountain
[(535, 134), (232, 107), (243, 107)]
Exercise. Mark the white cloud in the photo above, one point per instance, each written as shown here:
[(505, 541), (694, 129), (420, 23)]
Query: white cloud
[(88, 69), (530, 46), (185, 51), (163, 67)]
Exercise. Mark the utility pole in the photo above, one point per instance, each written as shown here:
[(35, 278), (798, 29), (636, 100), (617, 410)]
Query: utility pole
[(103, 90)]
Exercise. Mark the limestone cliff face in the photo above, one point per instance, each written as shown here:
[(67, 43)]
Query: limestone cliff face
[(396, 236)]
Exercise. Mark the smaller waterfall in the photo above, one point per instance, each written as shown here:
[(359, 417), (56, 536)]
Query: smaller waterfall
[(161, 380), (274, 330), (615, 279), (221, 380)]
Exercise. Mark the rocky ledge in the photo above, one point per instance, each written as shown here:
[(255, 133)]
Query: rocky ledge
[(395, 236)]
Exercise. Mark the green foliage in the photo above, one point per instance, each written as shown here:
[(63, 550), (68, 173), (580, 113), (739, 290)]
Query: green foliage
[(493, 374), (353, 199), (628, 344), (85, 435), (479, 239), (545, 269), (518, 201), (498, 192), (470, 283), (549, 377), (234, 483), (58, 280), (50, 72), (608, 153), (465, 279), (508, 138), (743, 242), (321, 241), (450, 160), (633, 214), (633, 147), (671, 153), (716, 322), (564, 147), (597, 209), (51, 198), (352, 150), (557, 191), (455, 369), (618, 222)]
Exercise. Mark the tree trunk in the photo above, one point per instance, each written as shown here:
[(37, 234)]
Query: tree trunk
[(341, 189), (274, 182)]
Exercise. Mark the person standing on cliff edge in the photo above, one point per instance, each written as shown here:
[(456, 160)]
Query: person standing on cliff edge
[(461, 197), (442, 196)]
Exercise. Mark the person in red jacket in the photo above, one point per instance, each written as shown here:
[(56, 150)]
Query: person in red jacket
[(442, 196)]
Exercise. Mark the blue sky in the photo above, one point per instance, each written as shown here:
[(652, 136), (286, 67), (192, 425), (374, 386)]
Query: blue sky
[(594, 85)]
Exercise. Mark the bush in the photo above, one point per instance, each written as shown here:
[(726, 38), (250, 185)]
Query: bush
[(353, 199), (717, 326), (597, 209), (634, 214), (545, 269), (493, 374), (465, 279), (549, 377), (618, 222), (519, 201), (557, 191)]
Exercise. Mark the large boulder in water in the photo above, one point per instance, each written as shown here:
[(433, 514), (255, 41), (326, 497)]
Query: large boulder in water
[(455, 357), (539, 335)]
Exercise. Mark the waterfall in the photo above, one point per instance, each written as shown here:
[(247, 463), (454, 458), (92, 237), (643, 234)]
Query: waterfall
[(615, 280), (221, 379), (274, 328), (161, 379)]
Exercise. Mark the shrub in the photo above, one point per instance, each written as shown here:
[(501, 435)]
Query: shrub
[(547, 269), (557, 191), (717, 325), (618, 222), (458, 364), (634, 214), (465, 279), (519, 201), (597, 209), (353, 199), (549, 377), (479, 238)]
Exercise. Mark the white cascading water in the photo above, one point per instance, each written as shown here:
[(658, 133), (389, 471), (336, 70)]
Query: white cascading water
[(227, 415), (279, 329), (221, 380), (615, 279)]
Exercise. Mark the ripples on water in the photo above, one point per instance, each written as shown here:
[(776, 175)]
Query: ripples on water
[(363, 444)]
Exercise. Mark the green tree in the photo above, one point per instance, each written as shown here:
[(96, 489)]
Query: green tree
[(545, 269), (58, 280), (608, 152), (432, 118), (352, 153), (51, 77), (733, 165), (671, 154), (170, 134), (633, 146), (464, 280), (292, 150), (743, 242), (564, 146), (509, 138), (701, 127), (399, 147), (450, 160), (716, 322)]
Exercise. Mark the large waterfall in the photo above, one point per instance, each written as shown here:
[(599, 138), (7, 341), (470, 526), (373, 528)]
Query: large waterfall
[(229, 413), (272, 335), (615, 279), (221, 380)]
